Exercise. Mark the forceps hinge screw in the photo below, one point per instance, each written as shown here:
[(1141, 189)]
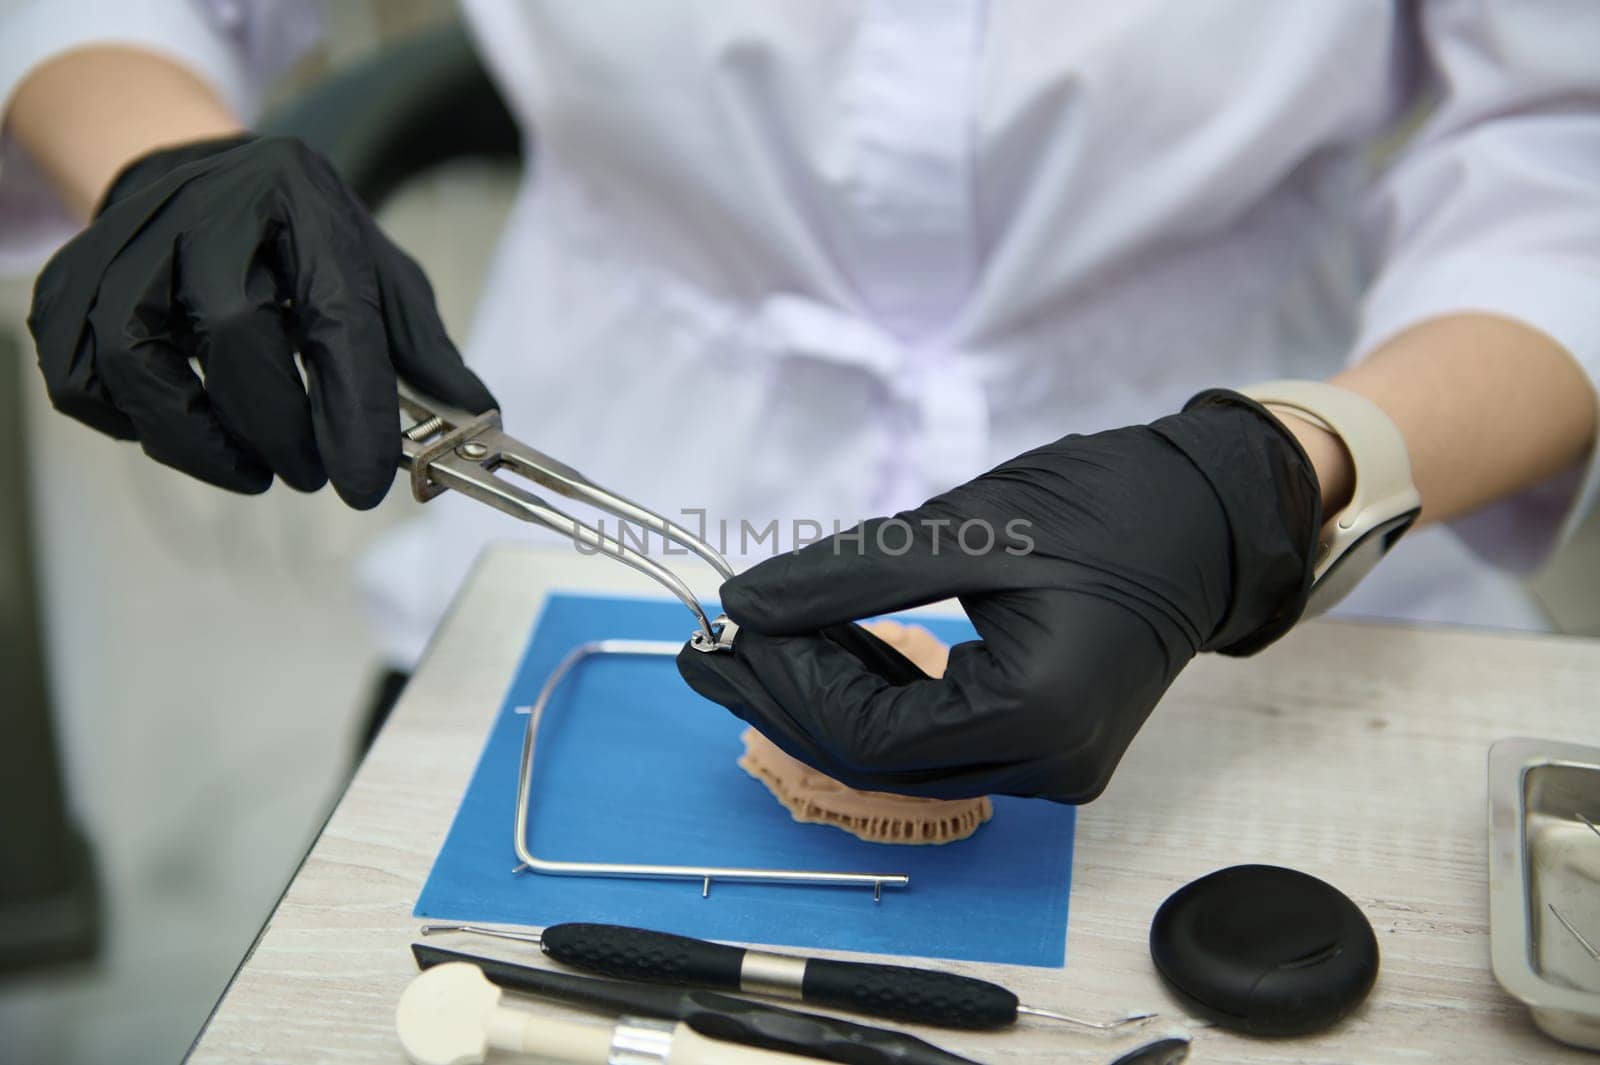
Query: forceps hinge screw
[(451, 438)]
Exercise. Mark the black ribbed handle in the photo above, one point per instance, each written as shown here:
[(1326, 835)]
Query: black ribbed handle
[(915, 995), (890, 991), (638, 954)]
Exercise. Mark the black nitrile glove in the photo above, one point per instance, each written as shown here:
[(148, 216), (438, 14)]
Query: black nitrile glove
[(237, 253), (1115, 559)]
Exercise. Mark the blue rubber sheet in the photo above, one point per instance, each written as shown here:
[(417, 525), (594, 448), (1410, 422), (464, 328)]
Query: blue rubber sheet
[(634, 766)]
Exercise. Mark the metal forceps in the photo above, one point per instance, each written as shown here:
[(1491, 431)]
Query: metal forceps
[(446, 450)]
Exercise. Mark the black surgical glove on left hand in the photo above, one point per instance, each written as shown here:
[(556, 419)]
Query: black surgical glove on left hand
[(237, 253), (1148, 544)]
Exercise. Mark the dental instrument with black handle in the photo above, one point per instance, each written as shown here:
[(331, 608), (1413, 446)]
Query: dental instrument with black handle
[(716, 1016), (891, 992), (453, 1014)]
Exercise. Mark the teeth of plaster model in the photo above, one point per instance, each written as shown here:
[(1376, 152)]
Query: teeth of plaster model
[(876, 817)]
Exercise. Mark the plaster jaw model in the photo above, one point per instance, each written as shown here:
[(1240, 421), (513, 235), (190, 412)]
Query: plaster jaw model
[(874, 816)]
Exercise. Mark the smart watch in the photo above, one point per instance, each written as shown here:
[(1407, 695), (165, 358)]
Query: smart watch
[(1383, 500)]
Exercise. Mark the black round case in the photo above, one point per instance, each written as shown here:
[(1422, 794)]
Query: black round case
[(1265, 950)]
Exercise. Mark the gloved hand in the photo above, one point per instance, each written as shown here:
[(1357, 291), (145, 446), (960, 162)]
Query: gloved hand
[(1093, 569), (237, 253)]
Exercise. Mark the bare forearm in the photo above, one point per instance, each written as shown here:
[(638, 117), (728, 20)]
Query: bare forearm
[(84, 115), (1488, 407)]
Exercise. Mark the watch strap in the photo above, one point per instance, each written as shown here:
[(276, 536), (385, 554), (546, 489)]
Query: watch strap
[(1383, 500)]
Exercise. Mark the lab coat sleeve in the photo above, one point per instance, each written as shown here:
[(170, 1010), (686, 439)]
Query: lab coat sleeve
[(1494, 206), (235, 46)]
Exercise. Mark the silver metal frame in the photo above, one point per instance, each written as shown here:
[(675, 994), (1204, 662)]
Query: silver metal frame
[(706, 874)]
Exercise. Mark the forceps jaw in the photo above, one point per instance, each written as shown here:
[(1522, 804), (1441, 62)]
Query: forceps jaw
[(444, 449), (724, 630)]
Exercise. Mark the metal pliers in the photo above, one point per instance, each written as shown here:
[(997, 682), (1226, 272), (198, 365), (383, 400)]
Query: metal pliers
[(446, 449)]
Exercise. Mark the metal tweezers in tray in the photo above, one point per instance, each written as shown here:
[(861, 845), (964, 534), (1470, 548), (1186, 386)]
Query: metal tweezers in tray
[(1544, 882)]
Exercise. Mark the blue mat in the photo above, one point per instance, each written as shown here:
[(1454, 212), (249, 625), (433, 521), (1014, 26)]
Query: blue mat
[(634, 766)]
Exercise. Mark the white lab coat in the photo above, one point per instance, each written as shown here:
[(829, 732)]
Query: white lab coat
[(814, 261)]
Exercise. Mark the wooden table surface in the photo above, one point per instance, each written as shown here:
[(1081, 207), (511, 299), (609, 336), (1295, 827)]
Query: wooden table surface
[(1355, 752)]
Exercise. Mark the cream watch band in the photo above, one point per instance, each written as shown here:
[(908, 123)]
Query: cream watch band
[(1383, 501)]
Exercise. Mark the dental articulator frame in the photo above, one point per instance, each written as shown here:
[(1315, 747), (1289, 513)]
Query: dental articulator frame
[(447, 450)]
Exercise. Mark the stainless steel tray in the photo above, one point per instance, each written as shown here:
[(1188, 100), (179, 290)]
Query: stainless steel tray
[(1543, 855)]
